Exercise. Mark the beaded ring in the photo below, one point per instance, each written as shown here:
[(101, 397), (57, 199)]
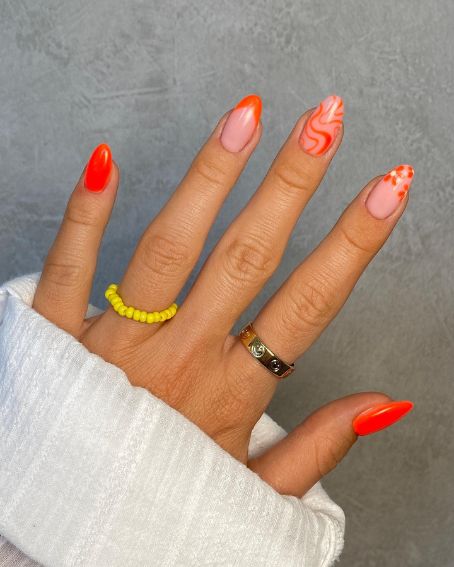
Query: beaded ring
[(138, 315)]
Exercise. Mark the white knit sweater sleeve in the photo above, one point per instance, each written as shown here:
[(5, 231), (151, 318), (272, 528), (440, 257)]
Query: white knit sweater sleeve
[(96, 472)]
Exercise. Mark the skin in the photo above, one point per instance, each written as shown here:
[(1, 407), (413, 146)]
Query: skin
[(209, 376)]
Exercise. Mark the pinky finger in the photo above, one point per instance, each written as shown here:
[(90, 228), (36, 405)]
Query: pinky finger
[(64, 288)]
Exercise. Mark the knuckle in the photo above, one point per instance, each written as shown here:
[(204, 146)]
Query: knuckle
[(248, 260), (354, 240), (290, 176), (165, 255), (82, 214), (228, 408), (311, 304), (211, 171), (238, 395), (328, 454), (65, 274)]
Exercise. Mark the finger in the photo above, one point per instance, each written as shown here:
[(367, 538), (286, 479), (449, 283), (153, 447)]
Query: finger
[(64, 288), (315, 292), (171, 245), (314, 448), (311, 297), (252, 247)]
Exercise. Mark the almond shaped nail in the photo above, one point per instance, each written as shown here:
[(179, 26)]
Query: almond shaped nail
[(323, 126), (98, 169), (241, 123), (380, 416), (386, 196)]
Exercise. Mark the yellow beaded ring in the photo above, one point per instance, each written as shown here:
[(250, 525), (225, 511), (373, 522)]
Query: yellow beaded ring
[(132, 313)]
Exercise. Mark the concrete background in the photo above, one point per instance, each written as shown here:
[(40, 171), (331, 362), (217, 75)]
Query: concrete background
[(152, 78)]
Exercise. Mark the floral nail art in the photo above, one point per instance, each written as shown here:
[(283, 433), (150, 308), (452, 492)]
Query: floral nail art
[(387, 194), (400, 178)]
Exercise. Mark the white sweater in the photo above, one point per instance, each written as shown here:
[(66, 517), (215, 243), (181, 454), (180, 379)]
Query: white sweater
[(96, 472)]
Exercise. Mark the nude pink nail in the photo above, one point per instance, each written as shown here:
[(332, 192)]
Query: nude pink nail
[(322, 126), (241, 123), (386, 196)]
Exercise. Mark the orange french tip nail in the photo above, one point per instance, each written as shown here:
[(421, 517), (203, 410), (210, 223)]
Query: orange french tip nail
[(254, 102), (380, 416), (98, 168)]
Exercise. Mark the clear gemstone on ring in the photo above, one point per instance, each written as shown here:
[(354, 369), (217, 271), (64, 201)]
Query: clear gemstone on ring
[(257, 350)]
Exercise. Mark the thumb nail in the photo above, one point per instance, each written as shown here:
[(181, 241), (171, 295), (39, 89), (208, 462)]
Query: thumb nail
[(380, 416)]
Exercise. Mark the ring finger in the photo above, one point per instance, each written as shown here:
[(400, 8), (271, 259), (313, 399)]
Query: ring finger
[(314, 293)]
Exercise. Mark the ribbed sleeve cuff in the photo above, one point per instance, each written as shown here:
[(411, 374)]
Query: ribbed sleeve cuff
[(96, 472)]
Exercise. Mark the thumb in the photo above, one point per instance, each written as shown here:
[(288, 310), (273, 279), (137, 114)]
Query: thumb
[(315, 447)]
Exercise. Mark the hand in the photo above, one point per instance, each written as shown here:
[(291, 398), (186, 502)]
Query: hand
[(192, 361)]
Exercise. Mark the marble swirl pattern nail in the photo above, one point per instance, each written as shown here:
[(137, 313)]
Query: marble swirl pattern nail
[(323, 125)]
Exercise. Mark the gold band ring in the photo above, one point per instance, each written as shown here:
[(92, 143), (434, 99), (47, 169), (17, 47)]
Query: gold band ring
[(263, 354)]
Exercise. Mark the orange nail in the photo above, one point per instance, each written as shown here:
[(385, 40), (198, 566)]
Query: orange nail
[(98, 168), (380, 416), (323, 126), (241, 123), (254, 102)]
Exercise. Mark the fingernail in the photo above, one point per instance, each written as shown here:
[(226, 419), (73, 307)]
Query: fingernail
[(241, 123), (98, 168), (322, 126), (380, 416), (386, 196)]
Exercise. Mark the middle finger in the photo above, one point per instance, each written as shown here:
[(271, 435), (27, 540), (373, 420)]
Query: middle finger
[(251, 248)]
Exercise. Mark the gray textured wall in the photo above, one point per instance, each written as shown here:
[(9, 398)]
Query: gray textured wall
[(152, 78)]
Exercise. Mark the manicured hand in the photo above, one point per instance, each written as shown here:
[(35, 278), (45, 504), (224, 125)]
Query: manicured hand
[(192, 361)]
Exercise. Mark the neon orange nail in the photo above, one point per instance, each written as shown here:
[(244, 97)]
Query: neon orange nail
[(380, 416), (241, 123), (254, 102), (98, 168)]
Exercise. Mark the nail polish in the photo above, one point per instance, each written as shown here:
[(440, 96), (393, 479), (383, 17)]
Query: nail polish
[(98, 168), (323, 126), (380, 416), (386, 196), (241, 123)]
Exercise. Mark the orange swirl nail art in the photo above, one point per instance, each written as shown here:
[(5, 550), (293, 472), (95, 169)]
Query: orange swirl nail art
[(323, 125)]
